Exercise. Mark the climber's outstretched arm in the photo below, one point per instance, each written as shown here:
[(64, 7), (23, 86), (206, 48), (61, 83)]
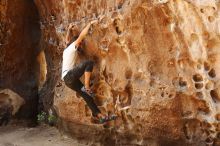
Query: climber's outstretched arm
[(68, 36), (84, 32)]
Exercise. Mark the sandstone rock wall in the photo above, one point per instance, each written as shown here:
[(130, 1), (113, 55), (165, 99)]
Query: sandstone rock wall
[(19, 39), (157, 67)]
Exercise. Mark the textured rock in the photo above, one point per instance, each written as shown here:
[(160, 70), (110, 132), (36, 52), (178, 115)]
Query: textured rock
[(152, 59), (19, 39), (10, 103), (11, 98), (157, 67)]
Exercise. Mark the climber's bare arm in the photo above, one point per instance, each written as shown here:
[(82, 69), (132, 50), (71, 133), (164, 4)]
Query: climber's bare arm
[(68, 36), (84, 32)]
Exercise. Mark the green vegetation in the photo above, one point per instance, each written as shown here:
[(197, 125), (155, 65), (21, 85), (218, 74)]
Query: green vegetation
[(45, 118)]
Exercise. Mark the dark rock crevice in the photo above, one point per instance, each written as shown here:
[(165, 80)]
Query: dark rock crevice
[(20, 47)]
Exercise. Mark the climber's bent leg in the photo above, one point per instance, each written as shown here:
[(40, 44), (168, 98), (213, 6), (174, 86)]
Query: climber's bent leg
[(74, 83), (80, 69)]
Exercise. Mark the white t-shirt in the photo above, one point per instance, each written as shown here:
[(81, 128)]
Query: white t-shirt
[(69, 58)]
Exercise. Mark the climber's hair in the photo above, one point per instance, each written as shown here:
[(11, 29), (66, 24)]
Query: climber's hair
[(75, 38)]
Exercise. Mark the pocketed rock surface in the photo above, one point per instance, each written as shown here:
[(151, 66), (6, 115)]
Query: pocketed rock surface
[(157, 66)]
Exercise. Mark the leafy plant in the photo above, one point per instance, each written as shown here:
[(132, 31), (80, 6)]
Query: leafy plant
[(52, 119), (42, 117), (45, 118)]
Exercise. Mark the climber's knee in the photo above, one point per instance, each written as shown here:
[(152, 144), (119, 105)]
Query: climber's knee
[(89, 66)]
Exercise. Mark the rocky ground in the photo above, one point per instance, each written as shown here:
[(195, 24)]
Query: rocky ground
[(39, 136)]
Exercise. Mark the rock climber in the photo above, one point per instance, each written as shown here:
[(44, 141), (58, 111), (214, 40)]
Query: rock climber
[(71, 72)]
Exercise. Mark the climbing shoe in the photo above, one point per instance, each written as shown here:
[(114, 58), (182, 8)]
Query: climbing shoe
[(106, 119), (89, 92)]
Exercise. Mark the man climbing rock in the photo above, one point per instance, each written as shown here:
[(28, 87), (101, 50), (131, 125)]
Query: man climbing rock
[(71, 72)]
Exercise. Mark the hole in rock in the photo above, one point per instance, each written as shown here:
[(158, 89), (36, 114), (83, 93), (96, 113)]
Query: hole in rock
[(137, 118), (128, 74), (206, 35), (162, 94), (182, 83), (209, 86), (190, 126), (207, 132), (118, 26), (138, 128), (214, 95), (129, 91), (102, 93), (199, 94), (206, 66), (130, 118), (197, 78), (138, 75), (209, 140), (202, 10), (140, 139), (211, 18), (104, 44), (172, 95), (203, 106), (194, 37), (198, 85), (214, 8), (212, 73), (206, 125), (120, 5), (218, 135), (118, 30), (199, 66), (89, 7), (187, 113), (213, 44), (217, 126), (123, 98), (114, 15), (108, 76), (110, 109), (217, 116), (186, 131)]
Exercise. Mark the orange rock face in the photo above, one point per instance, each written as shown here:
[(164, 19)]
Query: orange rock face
[(156, 66)]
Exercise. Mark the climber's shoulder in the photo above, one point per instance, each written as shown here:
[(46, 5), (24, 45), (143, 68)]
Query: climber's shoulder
[(71, 47)]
